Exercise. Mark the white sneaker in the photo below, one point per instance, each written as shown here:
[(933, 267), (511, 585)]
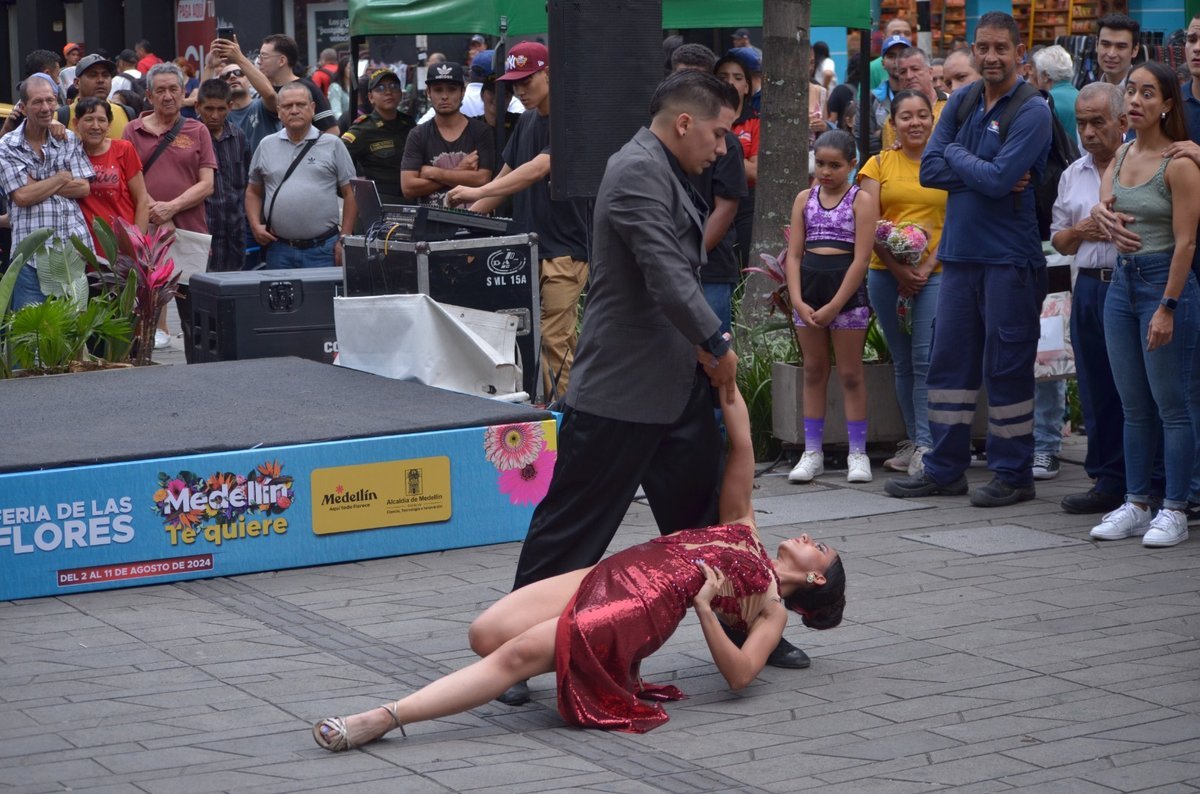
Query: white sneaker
[(916, 466), (162, 339), (902, 460), (1126, 521), (812, 464), (858, 467), (1168, 528), (1045, 466)]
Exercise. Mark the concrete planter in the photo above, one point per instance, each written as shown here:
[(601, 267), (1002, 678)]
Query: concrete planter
[(884, 423)]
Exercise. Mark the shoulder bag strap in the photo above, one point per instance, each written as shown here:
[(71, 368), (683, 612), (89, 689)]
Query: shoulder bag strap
[(291, 168), (163, 144)]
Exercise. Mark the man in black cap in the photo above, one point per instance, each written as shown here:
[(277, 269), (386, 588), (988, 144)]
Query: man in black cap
[(741, 38), (449, 149), (93, 77), (376, 140), (127, 78)]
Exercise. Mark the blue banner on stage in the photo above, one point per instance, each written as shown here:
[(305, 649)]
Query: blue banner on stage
[(170, 519)]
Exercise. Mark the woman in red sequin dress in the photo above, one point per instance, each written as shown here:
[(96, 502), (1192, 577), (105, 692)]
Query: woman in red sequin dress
[(594, 626)]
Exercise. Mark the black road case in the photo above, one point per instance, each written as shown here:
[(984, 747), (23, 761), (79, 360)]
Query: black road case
[(264, 313)]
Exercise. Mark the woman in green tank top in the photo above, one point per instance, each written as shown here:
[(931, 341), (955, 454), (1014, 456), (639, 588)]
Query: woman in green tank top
[(1152, 311)]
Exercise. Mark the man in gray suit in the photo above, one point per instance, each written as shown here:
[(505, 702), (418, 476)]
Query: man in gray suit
[(640, 401)]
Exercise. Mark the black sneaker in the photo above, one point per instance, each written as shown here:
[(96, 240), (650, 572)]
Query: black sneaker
[(1045, 466), (1091, 502), (923, 485), (998, 493)]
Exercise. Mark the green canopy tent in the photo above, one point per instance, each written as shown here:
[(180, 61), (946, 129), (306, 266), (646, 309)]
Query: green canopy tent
[(526, 17)]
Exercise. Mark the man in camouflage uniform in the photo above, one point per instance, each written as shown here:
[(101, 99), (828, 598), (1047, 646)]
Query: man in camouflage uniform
[(376, 140)]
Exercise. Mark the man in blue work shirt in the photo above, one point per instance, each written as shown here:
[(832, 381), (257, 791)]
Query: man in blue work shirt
[(993, 278)]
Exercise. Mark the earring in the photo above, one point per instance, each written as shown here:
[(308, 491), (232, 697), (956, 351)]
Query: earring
[(812, 577), (1164, 114)]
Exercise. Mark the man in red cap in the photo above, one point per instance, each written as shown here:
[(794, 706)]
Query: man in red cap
[(561, 226), (72, 52)]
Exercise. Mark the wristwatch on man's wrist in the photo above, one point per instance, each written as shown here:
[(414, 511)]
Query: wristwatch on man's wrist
[(1170, 304)]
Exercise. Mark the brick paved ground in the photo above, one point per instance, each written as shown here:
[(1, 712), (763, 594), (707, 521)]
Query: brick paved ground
[(1070, 666)]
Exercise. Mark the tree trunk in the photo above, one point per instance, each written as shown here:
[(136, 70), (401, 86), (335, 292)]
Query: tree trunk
[(783, 146)]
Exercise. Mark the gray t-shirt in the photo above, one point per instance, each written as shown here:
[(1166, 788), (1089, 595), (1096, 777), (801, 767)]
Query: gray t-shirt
[(307, 206)]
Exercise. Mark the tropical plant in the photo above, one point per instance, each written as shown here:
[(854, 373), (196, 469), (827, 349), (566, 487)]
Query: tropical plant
[(137, 271), (52, 336)]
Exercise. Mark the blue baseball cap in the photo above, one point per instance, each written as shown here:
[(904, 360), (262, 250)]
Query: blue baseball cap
[(893, 41), (747, 57), (482, 65)]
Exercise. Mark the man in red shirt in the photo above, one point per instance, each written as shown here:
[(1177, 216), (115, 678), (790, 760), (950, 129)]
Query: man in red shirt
[(146, 56), (326, 71)]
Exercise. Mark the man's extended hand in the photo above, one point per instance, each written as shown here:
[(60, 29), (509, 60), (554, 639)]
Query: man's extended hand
[(462, 195), (1114, 224), (1183, 149)]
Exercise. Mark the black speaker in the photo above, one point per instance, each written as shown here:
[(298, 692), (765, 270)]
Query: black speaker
[(605, 62)]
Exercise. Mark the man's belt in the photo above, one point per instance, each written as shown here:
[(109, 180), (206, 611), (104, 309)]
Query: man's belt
[(314, 242), (1104, 274)]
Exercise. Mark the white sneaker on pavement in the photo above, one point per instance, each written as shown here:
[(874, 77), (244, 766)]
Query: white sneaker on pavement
[(812, 464), (916, 466), (1045, 466), (1126, 521), (858, 467), (1168, 528), (162, 339), (902, 460)]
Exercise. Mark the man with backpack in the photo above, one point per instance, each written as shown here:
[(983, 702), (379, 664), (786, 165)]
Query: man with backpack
[(987, 158), (93, 77)]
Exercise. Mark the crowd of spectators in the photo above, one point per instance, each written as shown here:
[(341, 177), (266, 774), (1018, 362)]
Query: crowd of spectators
[(257, 151)]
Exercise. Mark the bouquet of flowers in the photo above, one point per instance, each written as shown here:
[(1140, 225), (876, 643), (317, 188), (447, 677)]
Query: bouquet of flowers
[(907, 242)]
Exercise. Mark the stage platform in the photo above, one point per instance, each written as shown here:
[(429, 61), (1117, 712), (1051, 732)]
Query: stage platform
[(155, 474)]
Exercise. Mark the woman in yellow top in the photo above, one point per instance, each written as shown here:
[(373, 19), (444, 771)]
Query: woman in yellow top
[(893, 179)]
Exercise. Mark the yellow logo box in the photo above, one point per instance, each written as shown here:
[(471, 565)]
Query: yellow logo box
[(375, 495)]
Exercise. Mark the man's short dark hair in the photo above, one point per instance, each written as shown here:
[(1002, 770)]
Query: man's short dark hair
[(285, 46), (702, 94), (1002, 21), (145, 46), (693, 56), (41, 61), (214, 89), (1120, 22), (912, 52)]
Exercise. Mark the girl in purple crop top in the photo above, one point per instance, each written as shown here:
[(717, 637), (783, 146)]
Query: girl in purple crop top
[(833, 230)]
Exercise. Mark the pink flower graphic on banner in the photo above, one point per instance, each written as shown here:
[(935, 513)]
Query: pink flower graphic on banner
[(528, 484), (512, 446)]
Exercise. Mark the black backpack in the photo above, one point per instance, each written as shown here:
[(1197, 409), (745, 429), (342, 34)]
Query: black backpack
[(1063, 150)]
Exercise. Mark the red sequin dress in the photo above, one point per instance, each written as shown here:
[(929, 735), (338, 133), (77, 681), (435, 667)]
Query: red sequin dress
[(627, 607)]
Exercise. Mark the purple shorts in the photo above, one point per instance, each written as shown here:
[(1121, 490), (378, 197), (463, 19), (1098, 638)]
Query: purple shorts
[(854, 319)]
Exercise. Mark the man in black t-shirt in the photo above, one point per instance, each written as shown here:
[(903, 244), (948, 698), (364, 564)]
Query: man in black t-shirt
[(277, 58), (722, 185), (449, 149), (561, 226)]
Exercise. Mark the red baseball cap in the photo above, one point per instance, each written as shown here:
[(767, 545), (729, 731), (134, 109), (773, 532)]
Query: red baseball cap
[(525, 59), (71, 46)]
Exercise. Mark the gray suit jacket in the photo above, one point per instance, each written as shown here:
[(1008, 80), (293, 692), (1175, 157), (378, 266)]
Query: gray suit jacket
[(645, 312)]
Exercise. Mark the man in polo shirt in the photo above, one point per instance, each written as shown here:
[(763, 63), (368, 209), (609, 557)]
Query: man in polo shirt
[(42, 177), (993, 279), (295, 217), (376, 140), (561, 226), (1116, 44), (181, 175), (450, 149), (93, 77), (1100, 119)]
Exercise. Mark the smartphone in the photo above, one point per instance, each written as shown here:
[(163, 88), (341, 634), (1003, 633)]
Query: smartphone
[(226, 32)]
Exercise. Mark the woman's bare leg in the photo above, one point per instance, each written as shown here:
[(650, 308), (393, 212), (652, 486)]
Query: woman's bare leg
[(529, 654), (523, 609)]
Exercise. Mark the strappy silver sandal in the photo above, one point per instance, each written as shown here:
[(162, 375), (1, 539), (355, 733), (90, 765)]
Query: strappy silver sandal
[(331, 734)]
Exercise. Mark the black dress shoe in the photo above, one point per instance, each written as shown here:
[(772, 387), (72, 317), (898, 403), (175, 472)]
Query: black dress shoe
[(1092, 501), (516, 695), (998, 493), (788, 656)]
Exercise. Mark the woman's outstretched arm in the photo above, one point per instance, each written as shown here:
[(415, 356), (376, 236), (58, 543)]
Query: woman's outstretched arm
[(736, 506)]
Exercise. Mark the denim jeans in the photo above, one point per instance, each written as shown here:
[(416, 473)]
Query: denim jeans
[(1049, 405), (1154, 383), (720, 300), (910, 354), (285, 257), (27, 290)]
